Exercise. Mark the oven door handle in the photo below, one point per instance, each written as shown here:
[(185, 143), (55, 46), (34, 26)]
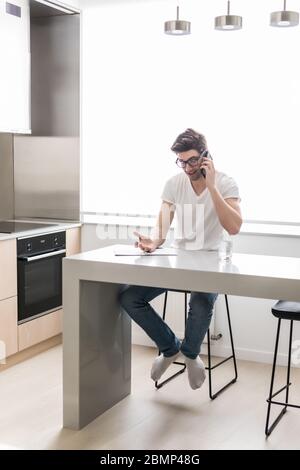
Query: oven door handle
[(45, 255)]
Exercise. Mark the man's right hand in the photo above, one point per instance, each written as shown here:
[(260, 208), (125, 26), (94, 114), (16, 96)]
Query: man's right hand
[(145, 243)]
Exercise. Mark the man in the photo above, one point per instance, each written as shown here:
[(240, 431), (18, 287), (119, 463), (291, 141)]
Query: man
[(211, 199)]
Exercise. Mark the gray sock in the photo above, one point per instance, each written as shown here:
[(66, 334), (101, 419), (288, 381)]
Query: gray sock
[(160, 365), (196, 372)]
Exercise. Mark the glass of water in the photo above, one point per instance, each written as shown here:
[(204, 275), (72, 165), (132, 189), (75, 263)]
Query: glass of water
[(225, 249)]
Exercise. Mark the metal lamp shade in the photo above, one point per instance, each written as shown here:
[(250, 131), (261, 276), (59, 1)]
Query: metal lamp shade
[(284, 18), (228, 22), (177, 27)]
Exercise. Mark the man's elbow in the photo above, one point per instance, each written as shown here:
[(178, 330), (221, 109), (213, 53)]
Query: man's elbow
[(235, 229)]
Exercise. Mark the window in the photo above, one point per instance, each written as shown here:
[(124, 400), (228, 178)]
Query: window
[(141, 88)]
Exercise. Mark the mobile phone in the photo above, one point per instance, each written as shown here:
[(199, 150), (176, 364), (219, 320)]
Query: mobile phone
[(205, 154)]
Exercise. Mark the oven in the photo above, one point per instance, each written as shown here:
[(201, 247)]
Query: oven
[(40, 274)]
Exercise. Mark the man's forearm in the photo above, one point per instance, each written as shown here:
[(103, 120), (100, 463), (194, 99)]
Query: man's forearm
[(160, 233), (159, 241), (229, 218), (164, 221)]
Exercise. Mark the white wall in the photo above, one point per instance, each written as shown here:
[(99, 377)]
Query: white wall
[(253, 324), (141, 87)]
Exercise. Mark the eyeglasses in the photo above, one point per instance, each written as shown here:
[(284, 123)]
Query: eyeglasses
[(193, 161)]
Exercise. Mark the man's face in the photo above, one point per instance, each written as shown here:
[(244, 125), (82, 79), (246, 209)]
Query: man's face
[(192, 167)]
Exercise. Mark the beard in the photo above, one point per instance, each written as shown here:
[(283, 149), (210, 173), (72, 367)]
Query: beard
[(195, 176)]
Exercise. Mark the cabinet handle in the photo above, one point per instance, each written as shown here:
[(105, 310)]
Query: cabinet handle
[(44, 255)]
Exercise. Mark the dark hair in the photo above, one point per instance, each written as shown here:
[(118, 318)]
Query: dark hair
[(189, 140)]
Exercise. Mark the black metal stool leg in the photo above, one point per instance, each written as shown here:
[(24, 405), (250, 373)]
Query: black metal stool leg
[(210, 367), (270, 400), (182, 369), (268, 429), (288, 383)]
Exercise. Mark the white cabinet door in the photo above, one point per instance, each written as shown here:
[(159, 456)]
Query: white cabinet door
[(15, 66)]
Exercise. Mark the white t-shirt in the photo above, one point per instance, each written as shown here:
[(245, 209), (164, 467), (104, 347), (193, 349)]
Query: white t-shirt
[(197, 224)]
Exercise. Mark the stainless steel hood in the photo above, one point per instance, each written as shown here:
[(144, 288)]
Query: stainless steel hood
[(46, 177), (39, 173), (43, 8)]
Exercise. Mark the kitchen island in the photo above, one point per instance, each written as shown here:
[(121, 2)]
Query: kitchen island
[(97, 334)]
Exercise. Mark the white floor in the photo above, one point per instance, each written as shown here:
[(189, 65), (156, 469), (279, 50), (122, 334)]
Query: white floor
[(174, 417)]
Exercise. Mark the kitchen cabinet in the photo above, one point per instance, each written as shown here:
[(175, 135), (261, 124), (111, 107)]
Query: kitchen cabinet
[(8, 298), (19, 337), (8, 269), (15, 66), (40, 329), (73, 241), (8, 327)]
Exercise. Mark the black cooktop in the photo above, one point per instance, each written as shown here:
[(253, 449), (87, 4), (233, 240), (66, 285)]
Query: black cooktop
[(17, 226)]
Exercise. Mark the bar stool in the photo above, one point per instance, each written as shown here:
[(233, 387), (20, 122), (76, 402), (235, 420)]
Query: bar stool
[(210, 368), (283, 310)]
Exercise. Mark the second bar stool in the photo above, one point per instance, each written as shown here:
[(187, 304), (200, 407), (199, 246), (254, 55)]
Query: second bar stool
[(283, 310), (210, 368)]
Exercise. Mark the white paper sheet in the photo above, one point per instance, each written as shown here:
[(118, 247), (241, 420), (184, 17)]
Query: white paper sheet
[(132, 251)]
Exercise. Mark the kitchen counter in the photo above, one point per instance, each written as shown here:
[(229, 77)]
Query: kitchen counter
[(97, 341), (61, 225)]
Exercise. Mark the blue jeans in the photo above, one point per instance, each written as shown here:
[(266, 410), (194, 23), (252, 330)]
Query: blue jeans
[(135, 301)]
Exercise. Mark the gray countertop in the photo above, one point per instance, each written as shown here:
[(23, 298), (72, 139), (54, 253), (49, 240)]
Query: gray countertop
[(61, 225), (246, 274)]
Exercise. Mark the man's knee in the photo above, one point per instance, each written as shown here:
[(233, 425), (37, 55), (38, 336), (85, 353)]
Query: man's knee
[(128, 298), (125, 298), (206, 299)]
